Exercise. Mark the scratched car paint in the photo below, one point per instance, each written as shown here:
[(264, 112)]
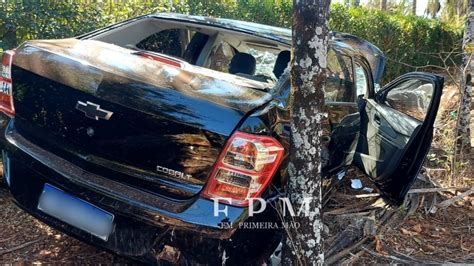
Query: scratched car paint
[(150, 131)]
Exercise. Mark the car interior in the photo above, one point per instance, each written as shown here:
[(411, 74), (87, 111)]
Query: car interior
[(222, 50)]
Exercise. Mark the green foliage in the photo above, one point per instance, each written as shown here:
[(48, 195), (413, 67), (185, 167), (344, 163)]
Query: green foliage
[(409, 42), (455, 11), (408, 39)]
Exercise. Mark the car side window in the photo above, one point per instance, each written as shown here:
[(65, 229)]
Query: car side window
[(362, 81), (339, 84), (411, 97)]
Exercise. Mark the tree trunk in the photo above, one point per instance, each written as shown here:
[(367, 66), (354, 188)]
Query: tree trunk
[(303, 245), (9, 37), (433, 8), (464, 119), (352, 3), (383, 4), (413, 7)]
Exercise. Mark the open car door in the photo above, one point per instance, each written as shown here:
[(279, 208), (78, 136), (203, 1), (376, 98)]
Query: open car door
[(396, 129)]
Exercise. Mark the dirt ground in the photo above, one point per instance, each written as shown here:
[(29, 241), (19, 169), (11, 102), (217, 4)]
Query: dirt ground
[(417, 232), (24, 239), (445, 236), (360, 229)]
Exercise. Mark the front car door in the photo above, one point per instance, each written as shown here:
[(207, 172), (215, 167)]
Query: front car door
[(396, 129)]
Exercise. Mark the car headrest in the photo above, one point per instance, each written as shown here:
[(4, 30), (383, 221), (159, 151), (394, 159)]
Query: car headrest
[(242, 63), (281, 63)]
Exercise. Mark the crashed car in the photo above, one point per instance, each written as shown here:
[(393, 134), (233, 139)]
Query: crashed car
[(124, 137)]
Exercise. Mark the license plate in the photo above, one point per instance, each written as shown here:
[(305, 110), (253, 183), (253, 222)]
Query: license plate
[(76, 212)]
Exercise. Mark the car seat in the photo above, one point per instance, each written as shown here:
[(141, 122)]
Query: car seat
[(242, 63)]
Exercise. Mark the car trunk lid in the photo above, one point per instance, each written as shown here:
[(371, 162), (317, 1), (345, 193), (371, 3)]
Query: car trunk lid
[(155, 125)]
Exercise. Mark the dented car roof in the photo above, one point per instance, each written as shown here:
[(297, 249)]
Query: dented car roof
[(351, 44), (357, 45)]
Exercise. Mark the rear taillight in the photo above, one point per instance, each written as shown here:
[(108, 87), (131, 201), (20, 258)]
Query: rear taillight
[(6, 93), (244, 168)]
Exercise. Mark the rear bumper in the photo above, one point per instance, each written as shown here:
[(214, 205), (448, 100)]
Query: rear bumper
[(144, 222), (195, 214)]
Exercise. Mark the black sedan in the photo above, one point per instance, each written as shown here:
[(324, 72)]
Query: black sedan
[(153, 137)]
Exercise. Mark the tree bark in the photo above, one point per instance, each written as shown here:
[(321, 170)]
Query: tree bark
[(9, 37), (352, 3), (383, 4), (303, 245), (433, 8), (413, 7), (464, 119)]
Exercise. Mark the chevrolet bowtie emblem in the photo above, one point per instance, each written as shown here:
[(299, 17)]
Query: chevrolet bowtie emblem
[(93, 111)]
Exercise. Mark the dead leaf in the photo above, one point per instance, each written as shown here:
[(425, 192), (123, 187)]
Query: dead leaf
[(430, 247), (417, 228), (45, 252), (407, 232), (379, 246)]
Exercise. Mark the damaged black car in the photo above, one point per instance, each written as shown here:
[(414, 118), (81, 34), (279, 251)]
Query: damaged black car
[(124, 137)]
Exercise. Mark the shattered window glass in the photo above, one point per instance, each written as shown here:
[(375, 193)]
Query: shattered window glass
[(361, 80), (265, 62)]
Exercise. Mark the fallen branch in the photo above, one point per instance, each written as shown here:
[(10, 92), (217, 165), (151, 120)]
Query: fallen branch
[(352, 214), (351, 209), (465, 258), (6, 239), (436, 189), (369, 195), (411, 191), (353, 259), (24, 245), (432, 208), (387, 257), (414, 200), (452, 200), (345, 251), (344, 239), (333, 186), (406, 257)]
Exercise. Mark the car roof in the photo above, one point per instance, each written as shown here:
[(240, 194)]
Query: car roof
[(279, 34)]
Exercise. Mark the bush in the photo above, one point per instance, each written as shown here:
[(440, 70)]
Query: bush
[(415, 41), (411, 40)]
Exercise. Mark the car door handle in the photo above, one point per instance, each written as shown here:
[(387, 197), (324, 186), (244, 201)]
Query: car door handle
[(377, 119)]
